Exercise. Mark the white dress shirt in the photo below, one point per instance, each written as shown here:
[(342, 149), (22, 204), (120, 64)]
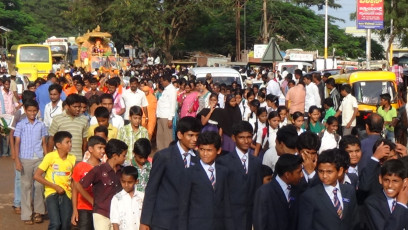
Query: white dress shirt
[(133, 98), (352, 169), (329, 190), (126, 210), (273, 88), (50, 112), (284, 187), (166, 105), (188, 157), (328, 141)]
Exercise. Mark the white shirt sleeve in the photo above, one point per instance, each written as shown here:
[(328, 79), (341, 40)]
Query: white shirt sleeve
[(259, 136), (47, 116), (173, 103), (114, 211), (316, 96), (144, 101)]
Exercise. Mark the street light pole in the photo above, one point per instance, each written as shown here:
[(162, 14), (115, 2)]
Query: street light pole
[(326, 31)]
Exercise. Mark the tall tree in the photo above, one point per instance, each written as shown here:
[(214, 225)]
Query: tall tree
[(24, 28)]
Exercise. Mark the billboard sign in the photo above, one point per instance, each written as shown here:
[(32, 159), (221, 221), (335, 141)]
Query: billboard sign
[(370, 14)]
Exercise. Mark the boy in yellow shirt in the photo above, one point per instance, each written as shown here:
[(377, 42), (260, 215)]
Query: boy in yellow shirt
[(58, 166)]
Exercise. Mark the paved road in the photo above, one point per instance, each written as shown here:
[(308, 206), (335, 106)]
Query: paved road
[(8, 219)]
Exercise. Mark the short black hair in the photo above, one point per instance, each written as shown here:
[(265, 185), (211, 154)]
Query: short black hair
[(142, 147), (60, 136), (328, 101), (349, 140), (343, 158), (101, 129), (287, 163), (209, 138), (130, 171), (29, 103), (135, 110), (51, 76), (28, 95), (331, 82), (102, 112), (94, 99), (308, 140), (266, 171), (133, 79), (93, 80), (394, 167), (106, 96), (186, 124), (242, 126), (115, 147), (346, 88), (55, 86), (72, 99), (329, 156), (288, 135), (94, 140), (386, 96), (112, 82), (375, 123), (386, 142)]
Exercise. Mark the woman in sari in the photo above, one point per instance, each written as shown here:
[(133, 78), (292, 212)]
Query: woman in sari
[(189, 101)]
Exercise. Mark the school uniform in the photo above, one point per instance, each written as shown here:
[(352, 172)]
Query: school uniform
[(243, 184), (161, 203), (351, 179), (317, 209), (276, 206), (385, 213), (205, 203), (368, 180)]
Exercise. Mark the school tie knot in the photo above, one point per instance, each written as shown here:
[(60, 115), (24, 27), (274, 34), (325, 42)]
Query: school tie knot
[(394, 203), (212, 177), (185, 159), (244, 159)]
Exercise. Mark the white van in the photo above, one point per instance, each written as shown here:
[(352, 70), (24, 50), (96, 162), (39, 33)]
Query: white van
[(219, 74), (292, 66)]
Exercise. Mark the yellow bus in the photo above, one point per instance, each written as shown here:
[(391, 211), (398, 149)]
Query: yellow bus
[(32, 60)]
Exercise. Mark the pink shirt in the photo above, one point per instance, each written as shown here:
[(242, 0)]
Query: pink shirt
[(296, 98), (10, 106)]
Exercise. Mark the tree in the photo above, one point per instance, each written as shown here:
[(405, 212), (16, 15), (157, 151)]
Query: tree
[(24, 28)]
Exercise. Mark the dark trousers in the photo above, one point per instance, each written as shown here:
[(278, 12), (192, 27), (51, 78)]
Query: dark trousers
[(59, 211), (85, 220)]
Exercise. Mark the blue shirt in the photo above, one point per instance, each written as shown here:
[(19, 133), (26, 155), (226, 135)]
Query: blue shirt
[(30, 138), (367, 150), (43, 96)]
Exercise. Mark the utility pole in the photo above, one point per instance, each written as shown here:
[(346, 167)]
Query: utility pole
[(265, 24), (238, 30), (326, 31), (368, 50)]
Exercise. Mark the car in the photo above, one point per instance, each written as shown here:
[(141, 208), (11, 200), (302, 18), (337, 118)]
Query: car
[(219, 75)]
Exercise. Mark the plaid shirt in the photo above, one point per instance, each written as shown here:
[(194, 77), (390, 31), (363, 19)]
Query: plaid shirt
[(143, 175), (399, 73)]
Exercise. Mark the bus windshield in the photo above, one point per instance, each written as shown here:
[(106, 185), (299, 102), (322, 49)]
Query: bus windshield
[(369, 92), (34, 54)]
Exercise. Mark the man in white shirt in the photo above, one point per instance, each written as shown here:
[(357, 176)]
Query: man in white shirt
[(348, 110), (312, 93), (221, 97), (273, 87), (54, 107), (166, 109), (134, 96)]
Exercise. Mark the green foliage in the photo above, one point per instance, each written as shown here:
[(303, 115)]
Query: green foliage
[(24, 28), (318, 3)]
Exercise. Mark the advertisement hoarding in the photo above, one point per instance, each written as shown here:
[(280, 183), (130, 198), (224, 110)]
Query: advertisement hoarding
[(370, 14)]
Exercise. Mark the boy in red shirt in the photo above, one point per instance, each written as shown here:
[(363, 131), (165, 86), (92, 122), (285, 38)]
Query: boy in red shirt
[(82, 199)]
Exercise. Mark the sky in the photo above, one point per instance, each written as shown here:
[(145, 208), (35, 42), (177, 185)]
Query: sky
[(348, 6)]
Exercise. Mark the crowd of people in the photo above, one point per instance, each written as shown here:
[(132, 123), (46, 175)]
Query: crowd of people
[(224, 156)]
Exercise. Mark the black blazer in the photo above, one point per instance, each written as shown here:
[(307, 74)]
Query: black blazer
[(272, 210), (162, 194), (379, 215), (202, 207), (354, 179), (317, 212), (368, 181), (242, 186)]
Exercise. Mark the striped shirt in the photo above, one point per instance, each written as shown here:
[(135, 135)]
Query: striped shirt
[(77, 126), (31, 135)]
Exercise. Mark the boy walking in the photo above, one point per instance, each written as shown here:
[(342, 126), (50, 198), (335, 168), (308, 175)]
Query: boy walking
[(105, 181), (82, 204), (141, 151), (329, 204), (57, 166), (206, 204), (126, 205), (30, 148)]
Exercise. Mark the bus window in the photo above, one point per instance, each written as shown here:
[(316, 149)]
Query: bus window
[(34, 54)]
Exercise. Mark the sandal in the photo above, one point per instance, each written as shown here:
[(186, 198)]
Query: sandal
[(38, 218), (28, 222), (17, 210)]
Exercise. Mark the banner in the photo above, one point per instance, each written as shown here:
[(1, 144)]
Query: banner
[(370, 14)]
